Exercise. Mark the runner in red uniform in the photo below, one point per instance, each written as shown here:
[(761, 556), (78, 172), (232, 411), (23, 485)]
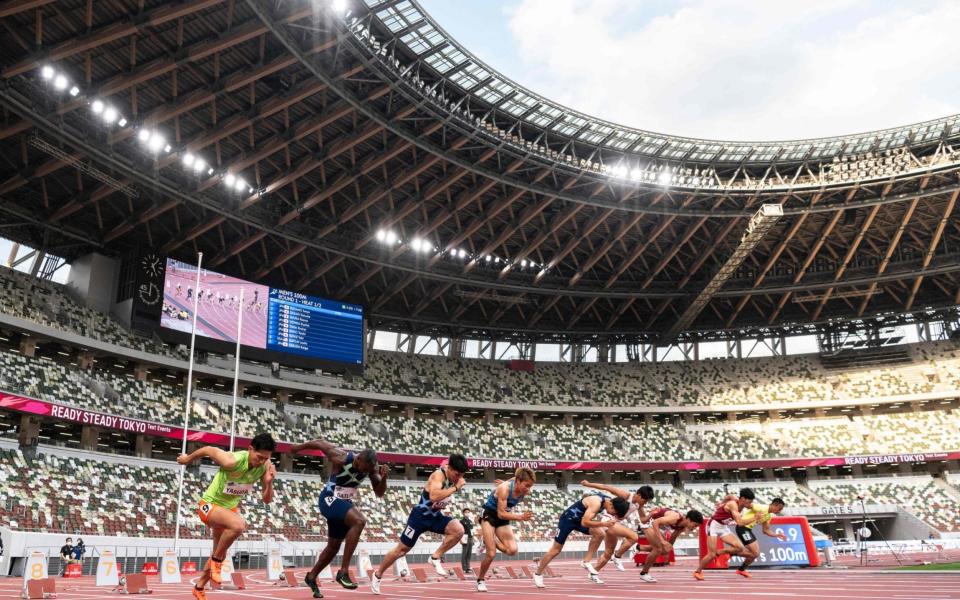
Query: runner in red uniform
[(725, 517), (662, 528)]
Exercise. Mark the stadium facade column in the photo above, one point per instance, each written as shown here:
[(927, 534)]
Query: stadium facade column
[(28, 346), (410, 471), (608, 419), (857, 471), (488, 416), (29, 430), (489, 475), (89, 437), (144, 446), (368, 408), (820, 412), (568, 419), (141, 371), (410, 411), (286, 462), (648, 419), (85, 359), (773, 415), (768, 474), (865, 410), (527, 418), (326, 402)]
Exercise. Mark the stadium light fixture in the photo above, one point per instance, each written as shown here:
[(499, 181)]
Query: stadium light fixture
[(199, 165), (60, 82), (381, 235), (391, 238), (122, 122), (636, 174), (47, 72), (340, 6), (144, 135), (241, 184), (664, 177), (188, 159), (110, 114), (74, 91), (229, 179), (488, 258), (156, 142), (97, 107)]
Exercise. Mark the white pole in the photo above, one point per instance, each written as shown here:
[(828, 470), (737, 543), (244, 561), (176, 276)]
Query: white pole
[(236, 373), (186, 410)]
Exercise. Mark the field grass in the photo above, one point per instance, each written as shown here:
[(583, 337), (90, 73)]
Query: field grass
[(954, 566)]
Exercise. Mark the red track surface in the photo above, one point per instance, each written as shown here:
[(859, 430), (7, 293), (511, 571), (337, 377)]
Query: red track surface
[(674, 583)]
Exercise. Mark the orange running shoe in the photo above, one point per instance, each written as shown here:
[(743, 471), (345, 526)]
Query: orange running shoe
[(698, 575), (198, 594), (214, 567), (744, 574)]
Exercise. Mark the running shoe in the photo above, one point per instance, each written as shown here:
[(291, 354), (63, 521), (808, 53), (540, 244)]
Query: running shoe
[(589, 568), (698, 575), (375, 584), (618, 564), (343, 578), (481, 585), (743, 573), (198, 594), (596, 579), (215, 567), (647, 577), (538, 581), (437, 564), (312, 584)]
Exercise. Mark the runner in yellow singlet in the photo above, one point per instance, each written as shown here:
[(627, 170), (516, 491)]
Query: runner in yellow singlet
[(239, 472), (762, 514)]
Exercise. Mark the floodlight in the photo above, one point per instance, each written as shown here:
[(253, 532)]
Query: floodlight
[(97, 107), (60, 82), (46, 72)]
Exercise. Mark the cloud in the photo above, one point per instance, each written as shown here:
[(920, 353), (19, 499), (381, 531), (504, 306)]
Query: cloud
[(741, 69)]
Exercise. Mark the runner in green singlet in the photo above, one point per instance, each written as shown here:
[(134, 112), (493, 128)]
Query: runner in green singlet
[(218, 509)]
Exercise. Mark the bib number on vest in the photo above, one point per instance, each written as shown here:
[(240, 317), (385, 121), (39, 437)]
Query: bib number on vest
[(238, 489)]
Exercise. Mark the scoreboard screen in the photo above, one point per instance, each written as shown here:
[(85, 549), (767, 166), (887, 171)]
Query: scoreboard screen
[(274, 320), (774, 553), (798, 550)]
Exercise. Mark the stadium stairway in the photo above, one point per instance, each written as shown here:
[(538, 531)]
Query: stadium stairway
[(948, 489), (817, 499)]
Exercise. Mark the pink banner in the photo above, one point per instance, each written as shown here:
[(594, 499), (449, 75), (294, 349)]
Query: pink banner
[(138, 426)]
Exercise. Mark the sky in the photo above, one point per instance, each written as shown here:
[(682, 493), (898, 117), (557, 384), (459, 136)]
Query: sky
[(725, 69)]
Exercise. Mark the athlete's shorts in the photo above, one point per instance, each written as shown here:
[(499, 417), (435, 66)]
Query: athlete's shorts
[(205, 508), (490, 516), (418, 522), (567, 526), (718, 529), (746, 535), (335, 511)]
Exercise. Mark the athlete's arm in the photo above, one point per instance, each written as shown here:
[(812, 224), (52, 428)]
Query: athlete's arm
[(378, 479), (336, 455), (267, 482), (226, 460), (607, 488), (435, 487), (771, 533), (734, 510), (503, 490), (667, 520), (593, 505)]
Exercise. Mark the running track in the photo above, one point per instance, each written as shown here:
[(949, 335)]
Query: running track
[(675, 583)]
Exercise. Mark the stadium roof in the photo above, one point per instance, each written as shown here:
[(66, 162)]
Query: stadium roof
[(357, 152)]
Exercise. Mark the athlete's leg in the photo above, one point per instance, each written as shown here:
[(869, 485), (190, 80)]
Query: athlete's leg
[(393, 556), (490, 548), (205, 574), (355, 522), (551, 554), (712, 542), (231, 526), (625, 545), (451, 537), (612, 536), (657, 547), (592, 548), (750, 553), (325, 558)]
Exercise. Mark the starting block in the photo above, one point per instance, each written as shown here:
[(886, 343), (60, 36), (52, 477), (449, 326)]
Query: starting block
[(236, 583), (421, 575), (549, 572), (458, 573), (289, 578), (134, 583), (514, 574), (38, 589)]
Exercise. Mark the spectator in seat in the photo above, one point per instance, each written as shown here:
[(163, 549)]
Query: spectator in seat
[(466, 542)]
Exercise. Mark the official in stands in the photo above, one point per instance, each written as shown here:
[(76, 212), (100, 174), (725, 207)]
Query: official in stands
[(466, 542)]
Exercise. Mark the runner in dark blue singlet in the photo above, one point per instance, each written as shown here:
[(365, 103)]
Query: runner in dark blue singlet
[(497, 516), (428, 515), (344, 521), (591, 511)]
